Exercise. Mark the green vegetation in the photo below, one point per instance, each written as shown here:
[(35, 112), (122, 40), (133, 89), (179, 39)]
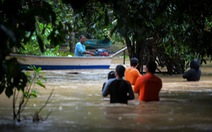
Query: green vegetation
[(22, 97)]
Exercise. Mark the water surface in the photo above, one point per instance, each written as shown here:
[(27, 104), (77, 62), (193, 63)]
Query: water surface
[(77, 105)]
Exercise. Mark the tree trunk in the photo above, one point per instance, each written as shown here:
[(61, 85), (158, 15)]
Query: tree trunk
[(72, 42), (140, 46), (129, 46)]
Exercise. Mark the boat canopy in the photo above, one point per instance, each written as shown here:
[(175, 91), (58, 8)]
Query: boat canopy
[(97, 43)]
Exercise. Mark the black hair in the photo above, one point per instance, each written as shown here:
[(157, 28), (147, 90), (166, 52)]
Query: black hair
[(120, 69), (195, 64), (111, 74), (151, 65), (133, 61), (82, 36)]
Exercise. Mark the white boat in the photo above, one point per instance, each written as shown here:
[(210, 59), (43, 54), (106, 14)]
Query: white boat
[(65, 63)]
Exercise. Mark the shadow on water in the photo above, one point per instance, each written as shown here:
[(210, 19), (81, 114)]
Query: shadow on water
[(77, 105)]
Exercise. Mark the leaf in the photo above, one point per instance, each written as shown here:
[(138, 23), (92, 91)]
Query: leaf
[(40, 84), (33, 95), (9, 91)]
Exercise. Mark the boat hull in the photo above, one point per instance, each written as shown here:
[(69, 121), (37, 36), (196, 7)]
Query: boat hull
[(63, 63)]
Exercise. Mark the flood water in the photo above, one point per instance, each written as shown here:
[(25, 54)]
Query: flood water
[(77, 105)]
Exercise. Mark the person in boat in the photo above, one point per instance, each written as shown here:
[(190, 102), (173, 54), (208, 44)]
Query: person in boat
[(120, 90), (110, 76), (80, 49), (149, 85), (132, 73), (194, 73)]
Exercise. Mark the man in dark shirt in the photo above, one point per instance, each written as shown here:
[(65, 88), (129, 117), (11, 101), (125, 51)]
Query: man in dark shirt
[(194, 73), (120, 90)]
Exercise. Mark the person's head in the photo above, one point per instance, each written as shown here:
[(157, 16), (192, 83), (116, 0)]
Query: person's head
[(151, 67), (111, 74), (134, 61), (82, 39), (195, 64), (120, 69)]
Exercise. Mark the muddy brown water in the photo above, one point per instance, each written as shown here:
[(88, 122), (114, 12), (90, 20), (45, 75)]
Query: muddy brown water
[(77, 105)]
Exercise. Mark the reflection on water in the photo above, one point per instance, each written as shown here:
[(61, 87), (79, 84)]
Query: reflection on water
[(77, 105)]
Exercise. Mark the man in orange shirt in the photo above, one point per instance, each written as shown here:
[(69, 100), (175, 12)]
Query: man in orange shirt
[(132, 73), (149, 85)]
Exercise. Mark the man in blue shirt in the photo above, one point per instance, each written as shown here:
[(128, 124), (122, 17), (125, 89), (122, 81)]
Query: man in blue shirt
[(80, 48)]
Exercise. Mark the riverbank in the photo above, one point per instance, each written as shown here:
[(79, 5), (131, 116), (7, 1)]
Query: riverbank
[(205, 68)]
